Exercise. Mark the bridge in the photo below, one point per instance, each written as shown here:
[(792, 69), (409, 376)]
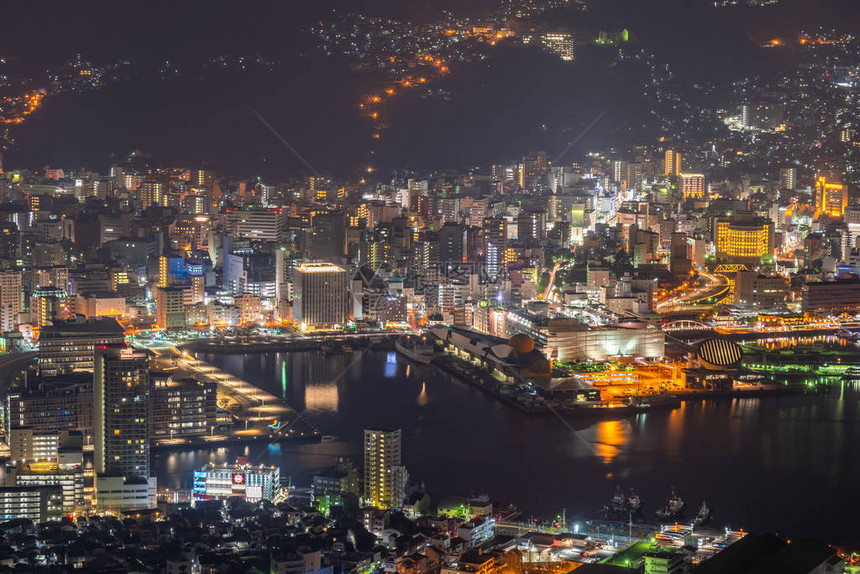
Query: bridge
[(686, 325), (724, 268)]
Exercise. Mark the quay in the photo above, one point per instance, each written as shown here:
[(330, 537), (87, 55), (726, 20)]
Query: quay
[(288, 344), (265, 416), (483, 381)]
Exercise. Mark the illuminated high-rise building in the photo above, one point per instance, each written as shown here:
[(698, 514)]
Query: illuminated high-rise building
[(318, 187), (121, 388), (385, 477), (533, 170), (562, 44), (673, 161), (255, 224), (202, 177), (743, 238), (788, 178), (11, 299), (320, 294), (531, 226), (692, 185), (495, 236), (746, 116), (152, 192), (619, 170), (830, 198), (171, 267), (170, 307)]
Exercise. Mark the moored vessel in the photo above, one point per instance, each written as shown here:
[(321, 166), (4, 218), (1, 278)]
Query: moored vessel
[(674, 506), (634, 502), (417, 349), (703, 515)]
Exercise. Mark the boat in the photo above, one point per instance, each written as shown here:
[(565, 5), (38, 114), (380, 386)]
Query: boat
[(619, 501), (852, 374), (346, 349), (417, 349), (674, 506), (634, 502), (703, 515)]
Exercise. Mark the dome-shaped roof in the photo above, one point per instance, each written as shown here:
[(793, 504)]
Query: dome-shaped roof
[(522, 344), (719, 353)]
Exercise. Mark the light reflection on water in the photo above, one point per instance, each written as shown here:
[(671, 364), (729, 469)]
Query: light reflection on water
[(747, 457)]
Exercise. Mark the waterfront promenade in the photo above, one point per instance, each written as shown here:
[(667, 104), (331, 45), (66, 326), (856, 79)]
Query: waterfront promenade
[(260, 415)]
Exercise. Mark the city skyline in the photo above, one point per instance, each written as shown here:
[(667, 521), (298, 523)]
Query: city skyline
[(494, 287)]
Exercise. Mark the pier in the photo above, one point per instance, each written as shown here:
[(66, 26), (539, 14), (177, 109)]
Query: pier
[(260, 414)]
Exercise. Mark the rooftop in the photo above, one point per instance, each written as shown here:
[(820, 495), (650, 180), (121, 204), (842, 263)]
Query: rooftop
[(320, 268)]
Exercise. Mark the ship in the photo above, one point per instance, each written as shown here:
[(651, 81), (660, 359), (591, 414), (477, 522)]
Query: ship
[(703, 515), (674, 506), (619, 501), (634, 502), (417, 349), (852, 374)]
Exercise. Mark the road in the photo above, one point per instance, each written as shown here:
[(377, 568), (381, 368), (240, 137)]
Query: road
[(691, 299), (12, 367), (548, 291)]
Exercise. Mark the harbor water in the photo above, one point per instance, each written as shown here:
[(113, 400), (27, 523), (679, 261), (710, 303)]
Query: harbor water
[(788, 464)]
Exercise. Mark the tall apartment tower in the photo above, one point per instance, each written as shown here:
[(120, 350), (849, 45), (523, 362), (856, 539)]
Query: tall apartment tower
[(494, 230), (11, 299), (673, 162), (385, 478), (121, 389), (152, 192), (788, 177)]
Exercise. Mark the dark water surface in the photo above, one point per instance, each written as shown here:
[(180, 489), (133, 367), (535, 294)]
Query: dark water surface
[(785, 464)]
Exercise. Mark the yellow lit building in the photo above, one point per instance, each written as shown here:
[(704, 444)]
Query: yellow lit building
[(673, 161), (559, 43), (743, 238), (830, 198), (692, 185)]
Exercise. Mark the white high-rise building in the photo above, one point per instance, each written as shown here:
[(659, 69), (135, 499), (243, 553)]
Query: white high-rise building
[(11, 299), (385, 477)]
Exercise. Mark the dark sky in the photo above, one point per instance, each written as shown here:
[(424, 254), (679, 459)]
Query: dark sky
[(46, 31), (47, 28)]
